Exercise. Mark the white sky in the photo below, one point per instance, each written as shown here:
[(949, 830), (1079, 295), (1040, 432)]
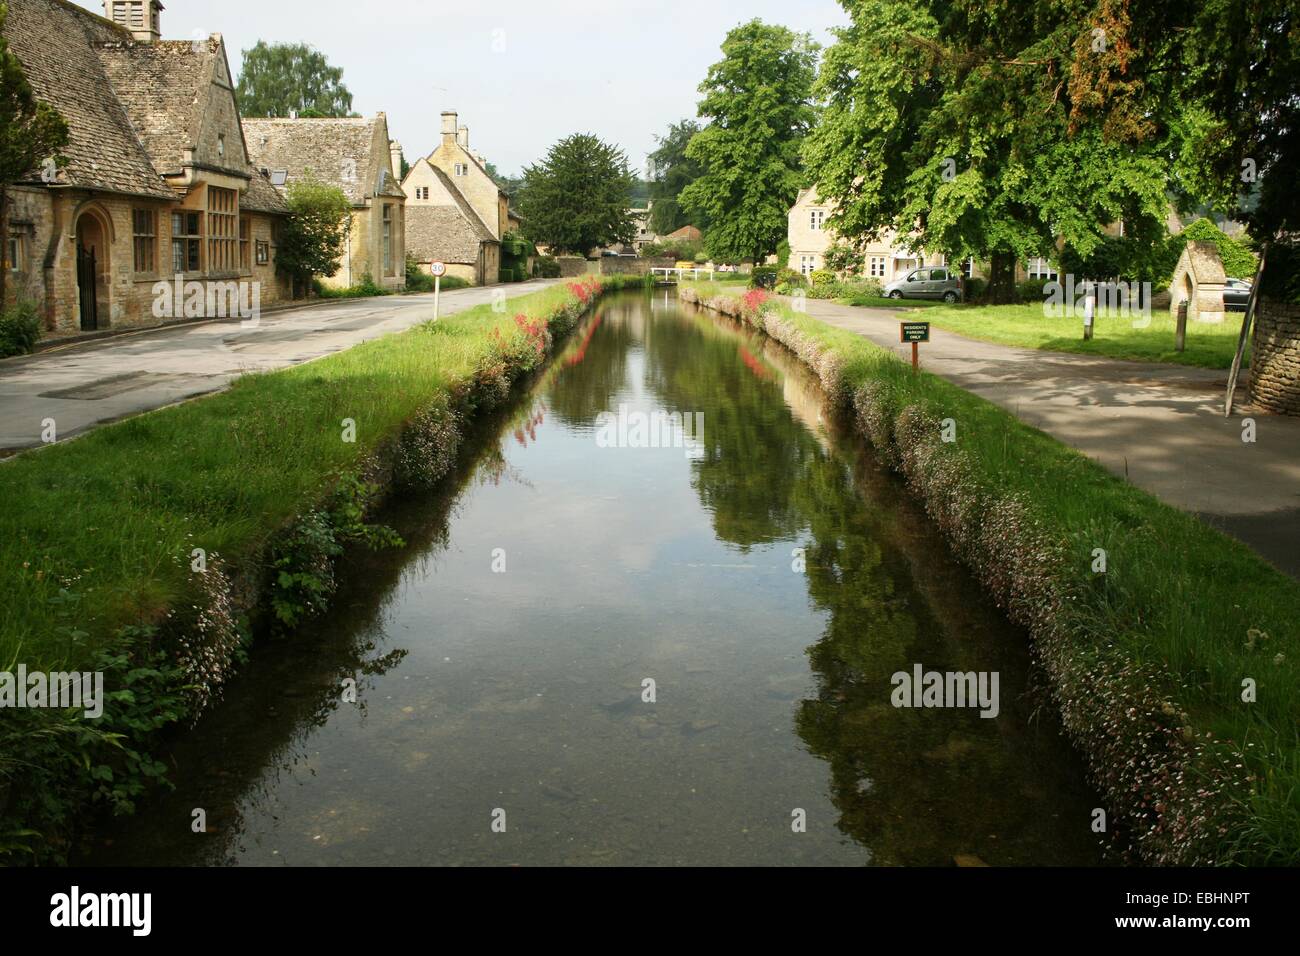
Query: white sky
[(622, 69)]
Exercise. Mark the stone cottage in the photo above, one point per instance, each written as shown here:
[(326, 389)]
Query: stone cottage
[(356, 155), (456, 212), (884, 259), (157, 185)]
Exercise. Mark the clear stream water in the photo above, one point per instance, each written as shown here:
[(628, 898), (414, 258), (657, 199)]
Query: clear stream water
[(521, 690)]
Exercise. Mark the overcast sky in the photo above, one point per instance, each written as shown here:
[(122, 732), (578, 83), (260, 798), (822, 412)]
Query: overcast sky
[(521, 74)]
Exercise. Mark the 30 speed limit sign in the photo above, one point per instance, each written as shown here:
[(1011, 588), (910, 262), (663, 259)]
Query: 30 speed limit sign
[(438, 269)]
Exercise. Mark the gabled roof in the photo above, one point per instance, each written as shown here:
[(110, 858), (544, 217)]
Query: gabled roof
[(57, 42), (350, 153), (449, 233), (133, 109)]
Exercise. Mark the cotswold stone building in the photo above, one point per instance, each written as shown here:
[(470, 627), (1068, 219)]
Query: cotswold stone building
[(157, 181), (456, 213), (356, 155)]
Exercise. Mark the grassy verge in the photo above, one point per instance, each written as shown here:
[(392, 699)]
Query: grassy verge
[(1114, 336), (1147, 658), (142, 548)]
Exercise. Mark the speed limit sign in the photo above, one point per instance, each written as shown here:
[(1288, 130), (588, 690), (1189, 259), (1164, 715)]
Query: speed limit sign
[(438, 269)]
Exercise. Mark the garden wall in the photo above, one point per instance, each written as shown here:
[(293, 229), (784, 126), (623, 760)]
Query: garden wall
[(1275, 358)]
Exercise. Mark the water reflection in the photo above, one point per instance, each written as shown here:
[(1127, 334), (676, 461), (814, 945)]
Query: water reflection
[(523, 690)]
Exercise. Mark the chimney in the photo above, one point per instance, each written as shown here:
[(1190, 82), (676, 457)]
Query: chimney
[(448, 127), (462, 137), (141, 17), (395, 153)]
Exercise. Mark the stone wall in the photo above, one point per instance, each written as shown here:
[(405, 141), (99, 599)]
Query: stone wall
[(626, 265), (1275, 358), (571, 266)]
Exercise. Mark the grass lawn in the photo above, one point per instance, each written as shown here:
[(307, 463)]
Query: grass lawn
[(1178, 598), (1208, 345)]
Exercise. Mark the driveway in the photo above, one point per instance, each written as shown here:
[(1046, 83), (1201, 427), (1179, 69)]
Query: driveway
[(1159, 426), (82, 385)]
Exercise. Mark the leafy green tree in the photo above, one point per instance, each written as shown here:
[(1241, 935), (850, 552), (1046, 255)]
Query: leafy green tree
[(284, 78), (577, 197), (31, 134), (758, 100), (312, 241), (960, 134), (671, 171)]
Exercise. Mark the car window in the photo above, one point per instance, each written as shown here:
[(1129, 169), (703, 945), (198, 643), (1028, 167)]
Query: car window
[(917, 276), (939, 275)]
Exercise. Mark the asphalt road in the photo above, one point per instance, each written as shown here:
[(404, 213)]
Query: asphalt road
[(85, 384)]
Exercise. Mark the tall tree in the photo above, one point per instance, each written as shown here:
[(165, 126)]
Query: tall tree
[(577, 197), (31, 134), (671, 171), (285, 78), (953, 125), (312, 240), (758, 100)]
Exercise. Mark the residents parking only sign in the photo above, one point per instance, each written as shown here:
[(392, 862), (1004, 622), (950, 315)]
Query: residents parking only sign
[(914, 332)]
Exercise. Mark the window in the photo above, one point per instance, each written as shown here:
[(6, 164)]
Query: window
[(245, 234), (920, 275), (816, 218), (263, 252), (186, 241), (1040, 269), (968, 267), (462, 169), (421, 192), (14, 254), (223, 229), (221, 145), (807, 264), (144, 238), (388, 239), (938, 275), (876, 267), (279, 177)]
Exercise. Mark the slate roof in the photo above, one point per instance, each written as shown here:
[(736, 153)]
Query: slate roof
[(450, 233), (132, 108), (330, 148), (56, 42)]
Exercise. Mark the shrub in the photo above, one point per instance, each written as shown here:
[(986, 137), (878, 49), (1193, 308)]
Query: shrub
[(417, 280), (822, 277), (783, 254), (791, 278), (20, 329), (1238, 261), (763, 277), (974, 289), (1031, 290), (361, 290), (548, 267)]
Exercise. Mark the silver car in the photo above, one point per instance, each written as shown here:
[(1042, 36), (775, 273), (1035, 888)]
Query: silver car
[(928, 282)]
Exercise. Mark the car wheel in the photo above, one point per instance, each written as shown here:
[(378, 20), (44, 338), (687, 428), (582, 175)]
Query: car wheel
[(895, 294), (950, 297)]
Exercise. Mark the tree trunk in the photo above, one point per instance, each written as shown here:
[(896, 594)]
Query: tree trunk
[(1002, 278), (4, 244)]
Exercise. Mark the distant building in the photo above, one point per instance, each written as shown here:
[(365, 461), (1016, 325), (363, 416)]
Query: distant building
[(356, 155), (158, 182), (644, 234), (456, 212)]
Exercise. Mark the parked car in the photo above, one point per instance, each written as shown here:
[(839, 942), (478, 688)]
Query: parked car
[(930, 282), (1236, 294)]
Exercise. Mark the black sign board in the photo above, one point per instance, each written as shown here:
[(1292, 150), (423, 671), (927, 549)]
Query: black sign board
[(913, 331)]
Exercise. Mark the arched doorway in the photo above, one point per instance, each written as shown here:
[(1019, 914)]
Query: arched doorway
[(92, 271)]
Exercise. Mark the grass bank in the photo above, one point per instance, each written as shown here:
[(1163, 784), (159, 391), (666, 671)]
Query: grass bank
[(1175, 669), (1209, 345), (151, 548)]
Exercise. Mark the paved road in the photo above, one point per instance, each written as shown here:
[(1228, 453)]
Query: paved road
[(1161, 426), (86, 384)]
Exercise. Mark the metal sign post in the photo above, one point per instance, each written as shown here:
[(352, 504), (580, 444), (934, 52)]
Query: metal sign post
[(439, 269), (914, 332)]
